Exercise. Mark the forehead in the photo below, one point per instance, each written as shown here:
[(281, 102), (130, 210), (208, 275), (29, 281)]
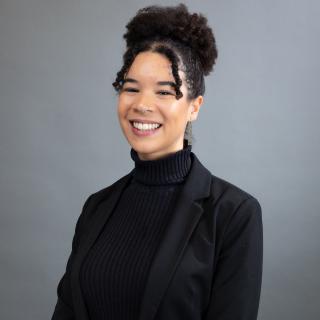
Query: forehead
[(151, 66)]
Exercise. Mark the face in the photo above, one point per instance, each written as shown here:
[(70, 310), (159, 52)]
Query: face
[(147, 87)]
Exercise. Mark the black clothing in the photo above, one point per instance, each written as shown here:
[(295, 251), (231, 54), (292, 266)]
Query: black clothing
[(206, 254), (115, 270)]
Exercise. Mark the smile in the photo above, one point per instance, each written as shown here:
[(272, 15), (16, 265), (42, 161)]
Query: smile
[(144, 129)]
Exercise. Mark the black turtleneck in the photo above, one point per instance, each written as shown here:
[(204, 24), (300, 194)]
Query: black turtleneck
[(114, 273)]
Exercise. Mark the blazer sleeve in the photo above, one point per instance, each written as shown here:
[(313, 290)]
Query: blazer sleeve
[(238, 275), (64, 307)]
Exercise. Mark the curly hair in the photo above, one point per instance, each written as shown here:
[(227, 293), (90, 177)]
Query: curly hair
[(184, 38)]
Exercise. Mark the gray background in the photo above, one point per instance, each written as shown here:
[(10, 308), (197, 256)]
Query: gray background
[(60, 139)]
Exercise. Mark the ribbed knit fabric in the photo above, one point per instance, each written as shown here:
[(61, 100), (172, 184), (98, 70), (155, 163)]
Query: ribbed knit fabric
[(115, 271)]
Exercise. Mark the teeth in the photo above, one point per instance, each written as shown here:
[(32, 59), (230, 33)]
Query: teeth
[(145, 126)]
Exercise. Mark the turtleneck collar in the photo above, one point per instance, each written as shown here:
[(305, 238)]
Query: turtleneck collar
[(170, 169)]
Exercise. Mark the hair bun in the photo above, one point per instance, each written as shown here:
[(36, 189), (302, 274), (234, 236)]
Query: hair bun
[(176, 23)]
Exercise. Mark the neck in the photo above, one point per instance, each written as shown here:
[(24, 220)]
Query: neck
[(170, 169)]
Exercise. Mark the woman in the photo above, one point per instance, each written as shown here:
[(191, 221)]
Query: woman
[(169, 240)]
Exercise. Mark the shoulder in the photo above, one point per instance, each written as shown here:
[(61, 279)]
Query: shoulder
[(95, 198), (222, 189), (228, 202)]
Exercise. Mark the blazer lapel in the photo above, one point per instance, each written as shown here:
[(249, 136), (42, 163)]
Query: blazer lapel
[(187, 213)]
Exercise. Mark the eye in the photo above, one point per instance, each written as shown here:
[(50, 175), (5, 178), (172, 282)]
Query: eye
[(165, 93), (130, 90)]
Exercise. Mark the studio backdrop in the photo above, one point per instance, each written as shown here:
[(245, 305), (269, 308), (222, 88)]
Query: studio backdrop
[(60, 139)]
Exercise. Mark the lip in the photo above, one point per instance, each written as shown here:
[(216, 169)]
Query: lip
[(144, 121)]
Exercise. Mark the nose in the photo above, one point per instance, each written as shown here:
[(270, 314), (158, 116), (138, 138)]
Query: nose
[(144, 102)]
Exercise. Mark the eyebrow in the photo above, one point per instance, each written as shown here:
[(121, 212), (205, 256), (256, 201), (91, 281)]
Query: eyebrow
[(162, 83)]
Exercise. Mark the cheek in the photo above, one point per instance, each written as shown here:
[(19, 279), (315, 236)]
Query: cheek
[(174, 114), (122, 106)]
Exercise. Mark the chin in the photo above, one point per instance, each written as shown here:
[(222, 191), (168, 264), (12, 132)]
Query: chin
[(144, 147)]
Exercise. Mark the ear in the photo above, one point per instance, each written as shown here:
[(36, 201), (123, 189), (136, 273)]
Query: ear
[(195, 108)]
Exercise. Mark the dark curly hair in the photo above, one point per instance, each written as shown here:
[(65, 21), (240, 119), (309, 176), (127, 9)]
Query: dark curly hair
[(184, 38)]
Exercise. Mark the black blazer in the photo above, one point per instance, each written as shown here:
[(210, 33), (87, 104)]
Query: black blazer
[(208, 265)]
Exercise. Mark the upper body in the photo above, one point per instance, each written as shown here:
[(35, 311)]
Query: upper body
[(208, 264), (201, 256)]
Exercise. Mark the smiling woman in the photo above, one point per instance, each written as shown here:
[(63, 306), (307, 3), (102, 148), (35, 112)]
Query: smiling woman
[(169, 51), (169, 240), (149, 83)]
